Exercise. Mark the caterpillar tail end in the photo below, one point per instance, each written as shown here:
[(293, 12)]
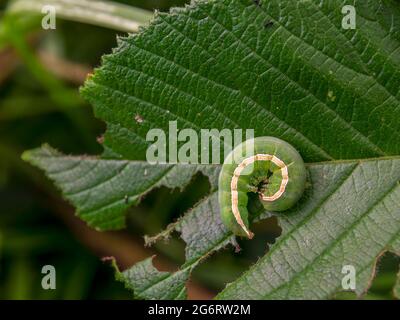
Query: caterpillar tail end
[(249, 234), (243, 227)]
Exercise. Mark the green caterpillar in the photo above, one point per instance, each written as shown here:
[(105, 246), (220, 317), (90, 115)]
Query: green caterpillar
[(275, 171)]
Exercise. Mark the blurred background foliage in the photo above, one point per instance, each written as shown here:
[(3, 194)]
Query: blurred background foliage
[(40, 73)]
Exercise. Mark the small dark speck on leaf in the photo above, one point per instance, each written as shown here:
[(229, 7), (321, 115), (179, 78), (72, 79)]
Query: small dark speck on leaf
[(138, 118), (268, 24), (257, 2)]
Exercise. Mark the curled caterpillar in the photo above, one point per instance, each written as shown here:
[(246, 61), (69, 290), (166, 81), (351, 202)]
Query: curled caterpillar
[(275, 171)]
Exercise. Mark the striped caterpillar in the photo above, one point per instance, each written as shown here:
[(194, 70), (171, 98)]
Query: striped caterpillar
[(275, 171)]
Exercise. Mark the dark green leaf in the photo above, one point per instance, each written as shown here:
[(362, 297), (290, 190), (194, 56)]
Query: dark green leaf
[(102, 190), (330, 92), (147, 282)]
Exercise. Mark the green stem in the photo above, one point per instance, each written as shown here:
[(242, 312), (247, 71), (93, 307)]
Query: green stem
[(101, 13)]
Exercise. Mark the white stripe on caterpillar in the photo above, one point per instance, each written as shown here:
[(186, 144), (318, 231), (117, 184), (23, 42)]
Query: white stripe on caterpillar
[(234, 182)]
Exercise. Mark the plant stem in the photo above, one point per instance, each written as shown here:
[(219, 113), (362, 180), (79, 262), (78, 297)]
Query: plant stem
[(101, 13)]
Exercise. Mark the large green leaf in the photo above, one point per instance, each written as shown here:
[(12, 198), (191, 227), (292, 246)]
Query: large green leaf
[(102, 190), (330, 92)]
